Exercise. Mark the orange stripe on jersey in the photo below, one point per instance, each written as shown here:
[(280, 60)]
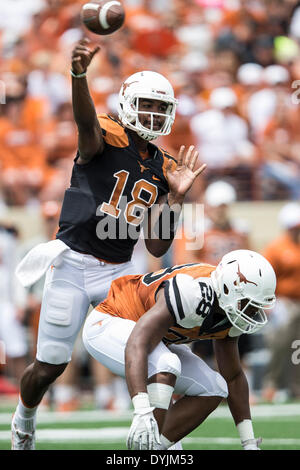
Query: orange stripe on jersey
[(178, 335), (131, 296), (115, 134)]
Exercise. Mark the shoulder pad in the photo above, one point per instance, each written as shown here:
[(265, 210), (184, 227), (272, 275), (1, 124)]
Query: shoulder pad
[(183, 295), (113, 132)]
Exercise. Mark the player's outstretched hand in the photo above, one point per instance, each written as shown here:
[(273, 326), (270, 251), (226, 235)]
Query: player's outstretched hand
[(181, 179), (82, 55)]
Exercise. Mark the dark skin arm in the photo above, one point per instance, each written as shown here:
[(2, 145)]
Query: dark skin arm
[(154, 245), (147, 333), (180, 181), (90, 139), (228, 359)]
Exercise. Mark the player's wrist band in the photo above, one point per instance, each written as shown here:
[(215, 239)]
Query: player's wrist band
[(141, 402), (80, 75)]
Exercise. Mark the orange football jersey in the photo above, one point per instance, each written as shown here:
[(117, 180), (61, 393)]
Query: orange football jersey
[(132, 296)]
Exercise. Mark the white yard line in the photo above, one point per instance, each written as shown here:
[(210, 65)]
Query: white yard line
[(231, 440), (77, 435), (50, 417), (119, 434)]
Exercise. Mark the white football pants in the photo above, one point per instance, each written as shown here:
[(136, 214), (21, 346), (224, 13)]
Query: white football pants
[(77, 281), (105, 338)]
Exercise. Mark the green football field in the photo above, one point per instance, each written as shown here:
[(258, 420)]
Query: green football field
[(278, 425)]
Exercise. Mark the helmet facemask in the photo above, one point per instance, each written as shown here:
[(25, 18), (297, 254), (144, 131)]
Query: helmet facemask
[(131, 94), (247, 316)]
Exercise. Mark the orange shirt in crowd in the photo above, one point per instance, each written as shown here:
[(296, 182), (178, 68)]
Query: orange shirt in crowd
[(284, 255), (49, 25), (216, 244), (283, 129), (149, 35), (20, 146), (235, 17), (60, 139), (181, 135)]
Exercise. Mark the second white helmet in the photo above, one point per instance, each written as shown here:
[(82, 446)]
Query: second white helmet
[(151, 85), (245, 283)]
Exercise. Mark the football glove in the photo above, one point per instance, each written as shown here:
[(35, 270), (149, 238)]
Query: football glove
[(143, 433)]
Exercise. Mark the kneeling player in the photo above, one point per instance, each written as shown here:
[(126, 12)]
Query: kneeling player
[(139, 332)]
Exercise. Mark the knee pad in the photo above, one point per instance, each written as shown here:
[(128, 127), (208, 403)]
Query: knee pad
[(169, 362), (62, 314), (63, 310), (59, 309), (54, 353)]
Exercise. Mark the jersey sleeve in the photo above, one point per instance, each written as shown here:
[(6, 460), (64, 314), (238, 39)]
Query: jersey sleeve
[(113, 132), (183, 296)]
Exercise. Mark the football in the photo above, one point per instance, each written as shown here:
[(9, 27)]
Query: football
[(103, 16)]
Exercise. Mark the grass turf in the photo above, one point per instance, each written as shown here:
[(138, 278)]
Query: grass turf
[(279, 432)]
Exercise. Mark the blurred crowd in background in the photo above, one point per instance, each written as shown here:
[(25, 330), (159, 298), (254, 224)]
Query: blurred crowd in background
[(235, 68), (234, 65)]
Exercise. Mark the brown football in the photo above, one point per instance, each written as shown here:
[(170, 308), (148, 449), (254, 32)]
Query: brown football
[(103, 16)]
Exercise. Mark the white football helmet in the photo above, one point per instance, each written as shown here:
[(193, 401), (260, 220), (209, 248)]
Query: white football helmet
[(245, 282), (149, 85)]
